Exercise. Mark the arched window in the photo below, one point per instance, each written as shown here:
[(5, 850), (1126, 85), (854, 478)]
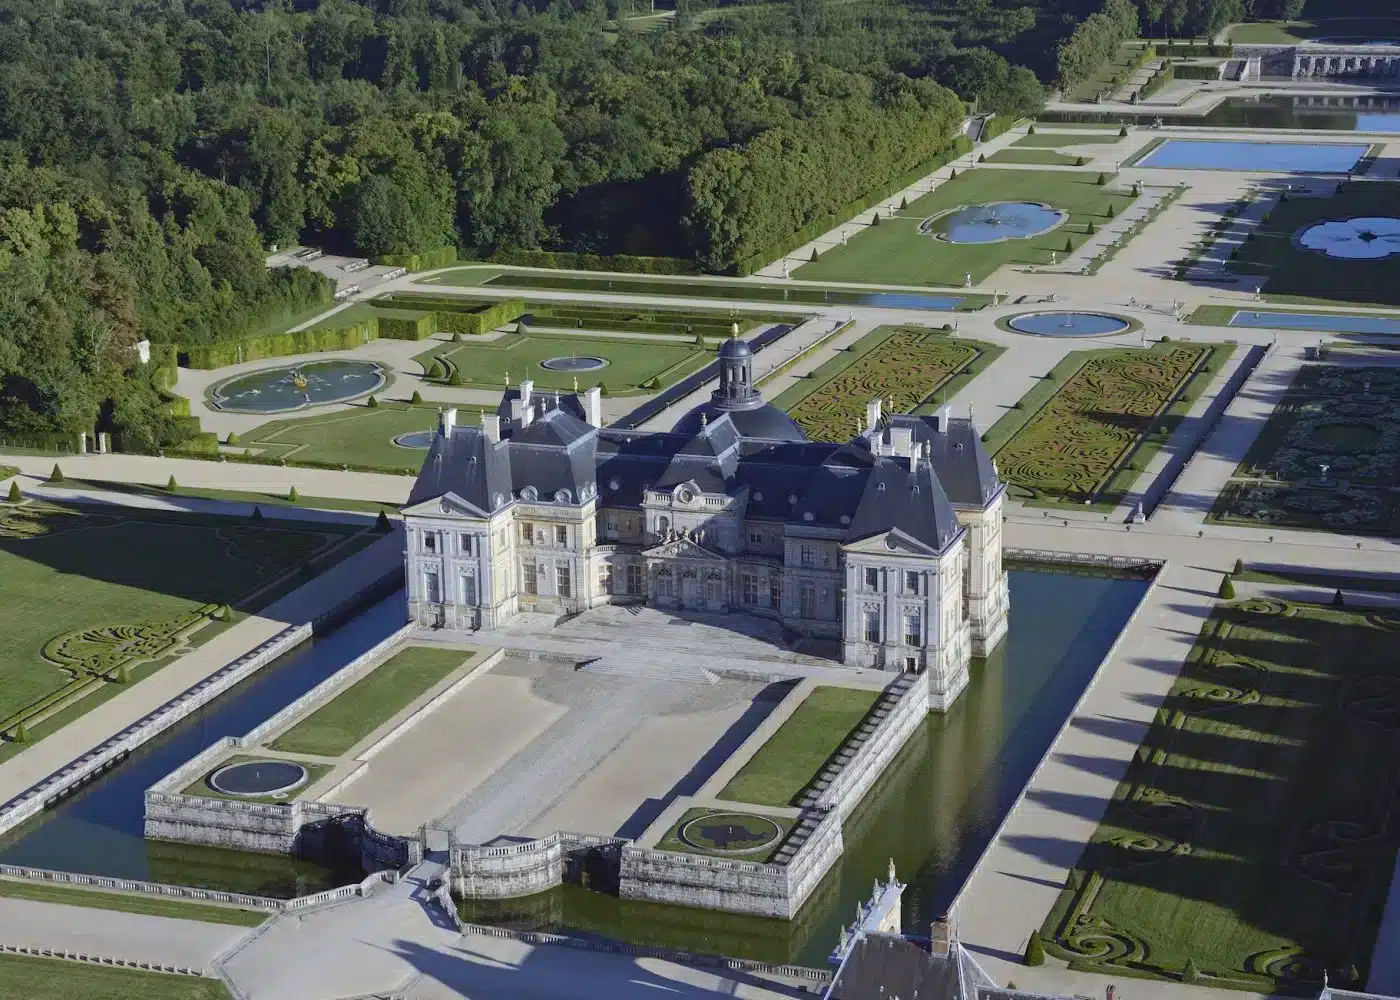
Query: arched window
[(663, 524)]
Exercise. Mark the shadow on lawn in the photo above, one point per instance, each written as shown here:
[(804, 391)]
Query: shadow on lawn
[(1264, 789)]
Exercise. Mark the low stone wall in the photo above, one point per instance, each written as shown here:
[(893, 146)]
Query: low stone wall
[(871, 757), (704, 882), (1136, 564), (79, 956), (518, 869), (94, 762), (817, 855)]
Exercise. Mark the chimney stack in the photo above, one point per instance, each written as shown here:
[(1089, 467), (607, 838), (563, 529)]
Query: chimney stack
[(527, 392), (872, 416), (447, 421), (593, 406), (491, 427), (945, 416), (940, 937)]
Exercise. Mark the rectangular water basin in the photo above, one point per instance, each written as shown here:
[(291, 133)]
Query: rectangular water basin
[(1331, 322), (731, 291), (1270, 157)]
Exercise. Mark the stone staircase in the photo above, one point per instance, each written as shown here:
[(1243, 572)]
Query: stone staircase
[(797, 836), (881, 710)]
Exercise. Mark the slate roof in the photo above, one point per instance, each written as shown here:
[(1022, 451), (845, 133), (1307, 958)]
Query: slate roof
[(845, 488), (885, 966)]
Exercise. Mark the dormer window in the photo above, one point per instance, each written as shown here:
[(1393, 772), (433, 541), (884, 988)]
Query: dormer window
[(880, 488)]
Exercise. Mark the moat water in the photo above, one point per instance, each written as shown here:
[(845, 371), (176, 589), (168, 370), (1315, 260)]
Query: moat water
[(934, 810)]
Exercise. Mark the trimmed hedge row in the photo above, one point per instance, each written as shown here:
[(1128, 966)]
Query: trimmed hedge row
[(817, 227), (1189, 50), (622, 264), (405, 328), (482, 320), (278, 345), (1198, 71), (996, 125), (1156, 82), (425, 260)]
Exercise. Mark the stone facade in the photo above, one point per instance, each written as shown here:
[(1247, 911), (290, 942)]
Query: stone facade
[(888, 547)]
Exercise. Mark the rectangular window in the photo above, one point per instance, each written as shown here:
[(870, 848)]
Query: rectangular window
[(911, 582), (561, 534), (913, 630), (634, 580), (469, 590), (806, 557), (465, 544), (755, 538), (775, 593), (531, 582), (565, 586), (807, 600), (605, 578), (527, 532), (872, 579), (432, 586), (872, 626), (665, 584), (430, 541), (714, 590), (612, 527), (750, 586)]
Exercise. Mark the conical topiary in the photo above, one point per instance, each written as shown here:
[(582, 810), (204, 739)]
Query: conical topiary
[(22, 732), (1111, 210), (1035, 951), (171, 484), (816, 254), (381, 523), (257, 513), (1337, 600), (15, 495), (292, 494), (875, 219), (1123, 132), (1030, 130), (981, 157), (953, 174), (417, 397), (1239, 566), (373, 402), (1103, 179), (456, 377), (231, 439), (1190, 973), (1069, 245), (903, 204), (56, 476), (521, 327), (1227, 588), (1091, 229)]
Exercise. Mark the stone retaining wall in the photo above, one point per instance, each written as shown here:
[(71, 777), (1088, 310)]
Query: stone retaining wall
[(704, 882), (871, 757), (519, 869)]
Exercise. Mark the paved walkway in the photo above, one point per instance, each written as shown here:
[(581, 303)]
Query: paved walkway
[(111, 717), (134, 937)]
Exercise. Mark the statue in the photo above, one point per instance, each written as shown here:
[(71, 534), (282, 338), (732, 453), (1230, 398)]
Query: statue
[(891, 871)]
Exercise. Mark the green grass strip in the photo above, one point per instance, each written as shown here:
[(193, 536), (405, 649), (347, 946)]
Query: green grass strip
[(55, 979), (155, 906), (796, 753), (371, 701)]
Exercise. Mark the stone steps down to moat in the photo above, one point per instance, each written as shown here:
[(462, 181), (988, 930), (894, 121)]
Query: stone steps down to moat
[(853, 742), (796, 837)]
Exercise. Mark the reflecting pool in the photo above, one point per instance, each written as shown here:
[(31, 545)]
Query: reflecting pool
[(1332, 322), (1366, 238), (293, 387), (934, 810), (731, 291), (1270, 157), (1068, 324), (99, 830), (994, 222), (415, 439)]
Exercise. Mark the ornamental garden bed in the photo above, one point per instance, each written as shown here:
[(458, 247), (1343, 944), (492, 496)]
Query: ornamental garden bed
[(1092, 426), (1251, 843), (908, 367)]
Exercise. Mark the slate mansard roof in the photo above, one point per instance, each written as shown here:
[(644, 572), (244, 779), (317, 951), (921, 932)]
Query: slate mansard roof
[(843, 487)]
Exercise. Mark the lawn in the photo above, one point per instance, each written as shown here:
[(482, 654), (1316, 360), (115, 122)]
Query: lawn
[(371, 701), (92, 596), (1293, 274), (1043, 147), (729, 835), (1347, 418), (906, 364), (130, 902), (1292, 32), (361, 436), (1100, 413), (24, 978), (1110, 75), (1251, 836), (632, 365), (348, 504), (796, 753), (897, 252)]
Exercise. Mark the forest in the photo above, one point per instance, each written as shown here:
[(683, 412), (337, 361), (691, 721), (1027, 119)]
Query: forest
[(150, 153)]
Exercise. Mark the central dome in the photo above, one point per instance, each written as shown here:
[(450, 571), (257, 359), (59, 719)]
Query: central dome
[(737, 397)]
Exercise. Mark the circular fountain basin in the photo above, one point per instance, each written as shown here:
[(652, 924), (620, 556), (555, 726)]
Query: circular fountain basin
[(415, 439), (994, 222), (1366, 238), (574, 364), (731, 833), (258, 777), (1063, 323), (274, 390)]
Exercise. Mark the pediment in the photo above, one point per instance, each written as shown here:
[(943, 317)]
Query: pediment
[(447, 505), (683, 548), (892, 542)]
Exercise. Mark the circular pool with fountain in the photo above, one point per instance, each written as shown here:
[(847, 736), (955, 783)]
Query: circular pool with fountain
[(1063, 323), (574, 364), (295, 387), (1367, 238), (258, 777), (415, 439), (993, 222)]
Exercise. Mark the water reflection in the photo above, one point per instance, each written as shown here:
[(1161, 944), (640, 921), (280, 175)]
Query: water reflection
[(994, 222), (1067, 324)]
